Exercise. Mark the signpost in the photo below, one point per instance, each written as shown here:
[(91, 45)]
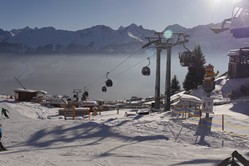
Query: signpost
[(207, 105)]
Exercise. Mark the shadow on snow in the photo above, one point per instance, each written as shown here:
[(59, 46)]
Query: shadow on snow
[(83, 131)]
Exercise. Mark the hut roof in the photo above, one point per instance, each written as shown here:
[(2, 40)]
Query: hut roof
[(236, 52), (184, 97), (29, 90)]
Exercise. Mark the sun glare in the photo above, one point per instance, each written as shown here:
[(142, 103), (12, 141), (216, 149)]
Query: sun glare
[(218, 4), (168, 34), (223, 1)]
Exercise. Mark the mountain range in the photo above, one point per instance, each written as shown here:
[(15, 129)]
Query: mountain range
[(101, 39)]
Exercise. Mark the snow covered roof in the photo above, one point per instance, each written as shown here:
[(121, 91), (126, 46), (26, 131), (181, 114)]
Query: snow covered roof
[(236, 52), (29, 90), (42, 91), (184, 97)]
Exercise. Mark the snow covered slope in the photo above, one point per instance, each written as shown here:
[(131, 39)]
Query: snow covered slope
[(113, 139)]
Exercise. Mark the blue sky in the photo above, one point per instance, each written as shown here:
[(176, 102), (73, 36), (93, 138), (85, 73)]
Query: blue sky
[(80, 14)]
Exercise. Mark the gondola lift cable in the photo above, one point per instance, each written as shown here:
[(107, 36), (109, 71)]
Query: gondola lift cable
[(102, 77)]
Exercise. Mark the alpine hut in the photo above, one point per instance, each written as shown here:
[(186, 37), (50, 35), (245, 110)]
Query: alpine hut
[(28, 94)]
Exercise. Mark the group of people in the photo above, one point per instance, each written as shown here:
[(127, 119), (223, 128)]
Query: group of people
[(4, 113)]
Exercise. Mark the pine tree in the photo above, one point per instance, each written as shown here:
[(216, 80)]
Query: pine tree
[(190, 79), (199, 64), (196, 70), (174, 86)]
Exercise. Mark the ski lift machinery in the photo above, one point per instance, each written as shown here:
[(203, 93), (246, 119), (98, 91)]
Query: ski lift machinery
[(239, 22), (85, 94)]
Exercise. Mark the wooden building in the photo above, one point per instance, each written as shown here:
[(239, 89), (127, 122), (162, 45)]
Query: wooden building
[(238, 66), (27, 94)]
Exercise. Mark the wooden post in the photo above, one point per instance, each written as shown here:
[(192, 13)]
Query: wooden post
[(89, 113), (95, 110), (65, 109), (74, 112), (117, 109), (222, 122)]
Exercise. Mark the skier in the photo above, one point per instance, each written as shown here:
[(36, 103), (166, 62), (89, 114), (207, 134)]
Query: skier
[(2, 148), (4, 112)]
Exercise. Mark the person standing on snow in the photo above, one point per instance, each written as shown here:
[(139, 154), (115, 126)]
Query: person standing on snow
[(2, 148), (4, 112)]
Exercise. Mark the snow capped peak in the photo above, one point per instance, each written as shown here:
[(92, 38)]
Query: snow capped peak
[(47, 29), (15, 32), (131, 27), (136, 32), (99, 28), (134, 27), (175, 28), (135, 37), (121, 27)]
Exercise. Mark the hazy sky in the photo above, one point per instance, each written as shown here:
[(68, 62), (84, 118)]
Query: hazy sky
[(80, 14)]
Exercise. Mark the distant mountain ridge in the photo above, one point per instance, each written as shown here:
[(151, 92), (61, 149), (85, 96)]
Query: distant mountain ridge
[(101, 39)]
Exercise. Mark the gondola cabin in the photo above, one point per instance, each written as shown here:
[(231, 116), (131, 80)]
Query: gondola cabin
[(185, 58), (109, 83), (146, 71), (238, 66), (104, 89)]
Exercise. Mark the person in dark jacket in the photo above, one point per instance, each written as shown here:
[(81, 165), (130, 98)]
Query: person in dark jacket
[(2, 148), (4, 112)]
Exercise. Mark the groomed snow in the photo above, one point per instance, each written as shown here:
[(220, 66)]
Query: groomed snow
[(111, 139)]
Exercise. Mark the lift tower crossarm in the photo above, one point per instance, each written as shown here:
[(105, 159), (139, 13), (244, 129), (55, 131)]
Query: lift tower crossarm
[(151, 42)]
